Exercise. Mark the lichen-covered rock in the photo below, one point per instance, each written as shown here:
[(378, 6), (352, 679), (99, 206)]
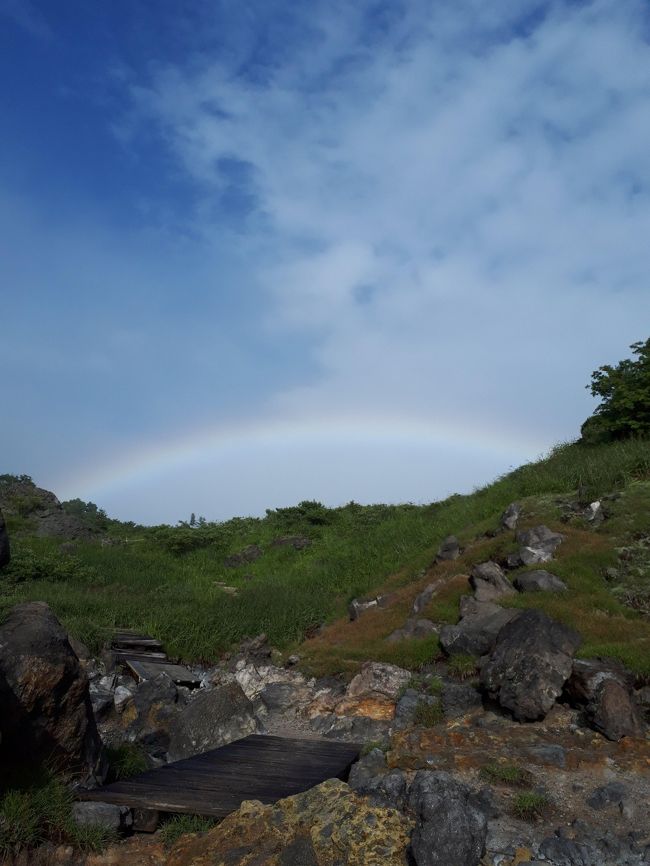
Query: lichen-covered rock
[(46, 710), (531, 662), (539, 581), (489, 582), (378, 679), (510, 516), (328, 825)]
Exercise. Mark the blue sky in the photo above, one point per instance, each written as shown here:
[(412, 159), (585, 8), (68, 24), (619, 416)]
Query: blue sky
[(257, 252)]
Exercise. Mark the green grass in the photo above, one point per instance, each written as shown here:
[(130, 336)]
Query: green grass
[(461, 666), (529, 805), (505, 774), (179, 825), (126, 760), (428, 714), (41, 811), (164, 580)]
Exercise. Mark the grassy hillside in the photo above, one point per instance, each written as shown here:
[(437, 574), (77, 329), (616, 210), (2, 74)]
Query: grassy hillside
[(166, 580)]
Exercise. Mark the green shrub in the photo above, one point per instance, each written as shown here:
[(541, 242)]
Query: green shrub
[(126, 760), (529, 805), (178, 825), (462, 666), (428, 714), (507, 774), (29, 563)]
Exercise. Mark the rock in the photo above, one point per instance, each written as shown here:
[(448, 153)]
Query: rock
[(378, 678), (146, 718), (46, 708), (366, 768), (449, 549), (359, 606), (102, 703), (414, 629), (458, 699), (79, 649), (5, 552), (406, 708), (214, 718), (328, 825), (643, 700), (423, 598), (510, 516), (388, 789), (538, 544), (607, 795), (285, 696), (530, 664), (451, 829), (247, 555), (595, 513), (117, 818), (539, 581), (298, 542), (489, 582), (549, 754), (121, 696), (603, 689), (476, 632)]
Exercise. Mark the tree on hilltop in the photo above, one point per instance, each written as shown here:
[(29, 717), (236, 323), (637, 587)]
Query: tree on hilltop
[(624, 391)]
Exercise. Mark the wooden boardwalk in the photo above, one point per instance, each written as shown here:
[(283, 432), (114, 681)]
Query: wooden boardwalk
[(144, 658), (215, 783)]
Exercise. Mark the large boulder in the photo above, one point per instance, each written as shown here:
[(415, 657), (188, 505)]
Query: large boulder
[(148, 712), (510, 516), (5, 553), (539, 581), (530, 664), (604, 690), (489, 582), (46, 710), (214, 718), (538, 545), (476, 632), (452, 828)]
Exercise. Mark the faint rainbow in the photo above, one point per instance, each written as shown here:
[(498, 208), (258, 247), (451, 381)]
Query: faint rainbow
[(151, 460)]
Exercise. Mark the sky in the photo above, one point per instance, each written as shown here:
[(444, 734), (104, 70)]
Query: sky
[(262, 251)]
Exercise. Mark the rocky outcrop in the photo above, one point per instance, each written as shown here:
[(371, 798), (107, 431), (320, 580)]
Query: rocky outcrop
[(5, 553), (44, 510), (489, 582), (538, 545), (530, 664), (328, 825), (477, 631), (539, 581), (451, 829), (377, 679), (46, 710), (604, 690)]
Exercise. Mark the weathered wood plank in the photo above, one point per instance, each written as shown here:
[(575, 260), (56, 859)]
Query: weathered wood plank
[(146, 669), (264, 768)]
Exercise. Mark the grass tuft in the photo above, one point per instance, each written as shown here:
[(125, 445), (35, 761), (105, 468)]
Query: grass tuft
[(461, 666), (529, 805), (428, 714), (179, 825), (126, 760), (506, 774)]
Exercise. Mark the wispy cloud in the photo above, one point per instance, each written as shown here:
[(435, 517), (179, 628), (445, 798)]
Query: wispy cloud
[(453, 199)]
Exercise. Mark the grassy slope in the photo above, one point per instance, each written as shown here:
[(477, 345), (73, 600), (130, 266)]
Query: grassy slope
[(142, 584)]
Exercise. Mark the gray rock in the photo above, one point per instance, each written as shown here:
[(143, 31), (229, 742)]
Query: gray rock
[(476, 632), (387, 790), (243, 557), (366, 768), (489, 582), (406, 707), (539, 581), (510, 516), (121, 697), (451, 828), (5, 552), (118, 818), (151, 711), (607, 795), (413, 629), (378, 678), (539, 536), (458, 699), (604, 690), (284, 696), (102, 703), (44, 694), (534, 555), (550, 754), (530, 664), (424, 598), (449, 549), (359, 606), (586, 845), (214, 718)]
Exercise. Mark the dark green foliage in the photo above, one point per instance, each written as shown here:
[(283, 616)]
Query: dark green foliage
[(39, 811), (530, 805), (86, 511), (624, 391), (177, 826), (31, 563), (126, 760), (462, 666), (428, 714), (7, 480), (505, 774)]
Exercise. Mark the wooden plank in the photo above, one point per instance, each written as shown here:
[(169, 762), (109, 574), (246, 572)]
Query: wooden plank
[(153, 657), (258, 767), (145, 670)]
